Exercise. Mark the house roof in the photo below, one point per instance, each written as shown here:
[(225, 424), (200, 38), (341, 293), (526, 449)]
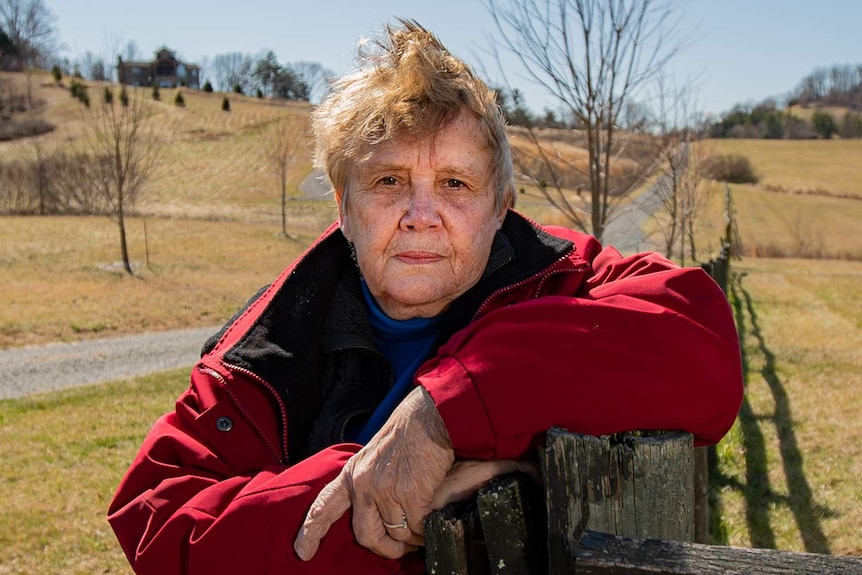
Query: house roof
[(158, 53)]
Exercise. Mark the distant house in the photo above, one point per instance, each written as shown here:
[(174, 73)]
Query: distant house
[(165, 72)]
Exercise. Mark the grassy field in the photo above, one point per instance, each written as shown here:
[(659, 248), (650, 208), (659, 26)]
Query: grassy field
[(61, 466), (61, 280), (789, 214), (802, 165), (788, 472)]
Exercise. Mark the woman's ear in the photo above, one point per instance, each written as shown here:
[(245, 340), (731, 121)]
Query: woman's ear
[(508, 204), (342, 213)]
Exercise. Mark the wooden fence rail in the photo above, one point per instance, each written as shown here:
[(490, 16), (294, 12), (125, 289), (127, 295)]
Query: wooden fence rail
[(621, 504)]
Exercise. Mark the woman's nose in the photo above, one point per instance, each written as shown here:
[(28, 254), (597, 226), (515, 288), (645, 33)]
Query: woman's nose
[(422, 209)]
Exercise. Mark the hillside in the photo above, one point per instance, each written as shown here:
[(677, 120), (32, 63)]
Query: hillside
[(807, 203), (204, 236), (212, 163)]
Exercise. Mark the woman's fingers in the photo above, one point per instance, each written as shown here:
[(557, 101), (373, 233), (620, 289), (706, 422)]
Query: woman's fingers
[(331, 503), (466, 477)]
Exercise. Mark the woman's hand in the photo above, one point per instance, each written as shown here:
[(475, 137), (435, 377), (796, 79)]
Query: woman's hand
[(393, 480), (467, 477)]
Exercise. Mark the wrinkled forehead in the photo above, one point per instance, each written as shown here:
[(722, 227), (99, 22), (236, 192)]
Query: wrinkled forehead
[(461, 136)]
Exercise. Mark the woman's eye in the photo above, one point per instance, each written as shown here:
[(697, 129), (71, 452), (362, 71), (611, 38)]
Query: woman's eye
[(454, 184), (388, 180)]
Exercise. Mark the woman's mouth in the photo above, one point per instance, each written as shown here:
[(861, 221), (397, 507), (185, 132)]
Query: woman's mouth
[(418, 257)]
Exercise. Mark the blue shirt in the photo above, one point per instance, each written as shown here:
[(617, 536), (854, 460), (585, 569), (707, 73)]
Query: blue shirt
[(406, 344)]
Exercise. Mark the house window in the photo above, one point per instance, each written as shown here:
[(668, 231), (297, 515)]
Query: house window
[(136, 71), (181, 70), (164, 69)]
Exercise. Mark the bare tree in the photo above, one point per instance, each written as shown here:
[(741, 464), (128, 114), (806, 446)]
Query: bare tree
[(40, 175), (233, 70), (266, 71), (29, 25), (94, 67), (130, 51), (684, 195), (592, 56), (315, 77), (678, 187), (282, 150), (125, 150)]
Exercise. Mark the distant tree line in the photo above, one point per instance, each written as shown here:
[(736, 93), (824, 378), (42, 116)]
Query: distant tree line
[(517, 113), (767, 121), (838, 86), (259, 75), (27, 30), (263, 76)]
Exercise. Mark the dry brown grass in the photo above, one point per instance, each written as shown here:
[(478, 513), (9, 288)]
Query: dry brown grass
[(776, 225), (61, 281), (212, 162), (805, 113), (211, 207), (802, 165)]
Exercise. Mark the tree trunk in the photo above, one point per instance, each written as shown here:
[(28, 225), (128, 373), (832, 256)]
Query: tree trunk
[(124, 248), (284, 210)]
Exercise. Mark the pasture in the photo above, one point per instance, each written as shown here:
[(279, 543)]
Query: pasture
[(787, 474)]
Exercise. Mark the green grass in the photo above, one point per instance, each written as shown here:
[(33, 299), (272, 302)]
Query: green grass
[(63, 456), (788, 471)]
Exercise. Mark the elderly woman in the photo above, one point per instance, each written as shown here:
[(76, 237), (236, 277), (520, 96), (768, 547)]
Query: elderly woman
[(416, 349)]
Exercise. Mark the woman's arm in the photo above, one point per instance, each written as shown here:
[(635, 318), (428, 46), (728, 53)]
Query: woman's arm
[(643, 345)]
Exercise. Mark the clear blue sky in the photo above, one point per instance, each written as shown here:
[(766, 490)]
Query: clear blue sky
[(739, 51)]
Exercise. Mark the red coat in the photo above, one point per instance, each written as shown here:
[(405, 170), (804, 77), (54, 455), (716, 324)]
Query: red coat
[(594, 342)]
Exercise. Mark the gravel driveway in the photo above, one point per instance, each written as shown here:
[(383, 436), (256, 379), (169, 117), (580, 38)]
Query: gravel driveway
[(59, 365)]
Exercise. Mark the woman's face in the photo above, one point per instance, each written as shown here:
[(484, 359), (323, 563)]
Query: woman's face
[(421, 216)]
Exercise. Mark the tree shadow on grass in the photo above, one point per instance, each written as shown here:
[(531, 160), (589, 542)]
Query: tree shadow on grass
[(759, 497)]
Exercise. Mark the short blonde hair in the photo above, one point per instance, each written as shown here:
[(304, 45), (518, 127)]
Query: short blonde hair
[(407, 83)]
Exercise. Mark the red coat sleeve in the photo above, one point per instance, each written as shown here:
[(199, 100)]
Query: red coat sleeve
[(639, 344), (202, 500)]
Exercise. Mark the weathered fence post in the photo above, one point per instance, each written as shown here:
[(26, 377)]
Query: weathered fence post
[(701, 494), (454, 544), (512, 511), (632, 485)]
